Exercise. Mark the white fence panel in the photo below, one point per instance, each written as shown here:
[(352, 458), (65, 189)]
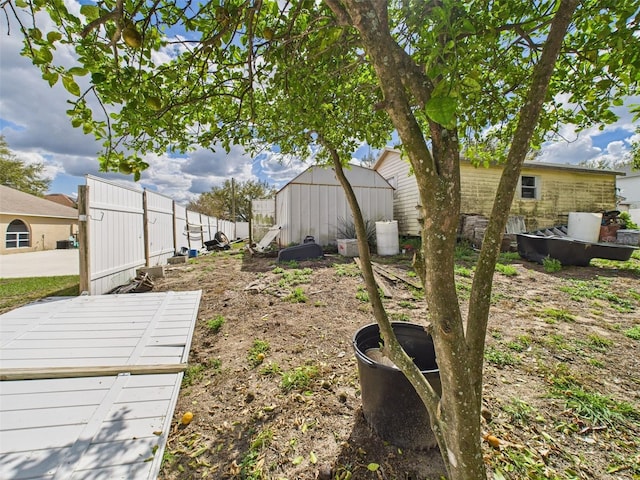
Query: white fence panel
[(180, 225), (195, 232), (228, 228), (159, 228), (242, 230), (116, 234)]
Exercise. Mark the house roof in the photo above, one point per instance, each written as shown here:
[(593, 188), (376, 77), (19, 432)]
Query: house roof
[(15, 202), (61, 199), (532, 164)]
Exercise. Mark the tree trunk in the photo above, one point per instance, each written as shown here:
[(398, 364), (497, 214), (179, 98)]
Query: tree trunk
[(456, 418)]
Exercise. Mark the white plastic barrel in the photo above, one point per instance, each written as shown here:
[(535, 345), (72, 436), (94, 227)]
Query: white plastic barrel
[(387, 238), (584, 226)]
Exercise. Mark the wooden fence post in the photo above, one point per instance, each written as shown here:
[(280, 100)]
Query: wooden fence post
[(84, 239)]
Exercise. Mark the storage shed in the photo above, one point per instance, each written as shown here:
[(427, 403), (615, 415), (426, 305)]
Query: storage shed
[(314, 203), (545, 195)]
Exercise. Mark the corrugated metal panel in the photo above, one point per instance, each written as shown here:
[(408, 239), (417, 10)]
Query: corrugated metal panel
[(116, 232), (160, 228), (100, 427)]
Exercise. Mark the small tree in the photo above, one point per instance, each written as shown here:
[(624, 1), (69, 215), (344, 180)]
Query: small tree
[(446, 75), (16, 174)]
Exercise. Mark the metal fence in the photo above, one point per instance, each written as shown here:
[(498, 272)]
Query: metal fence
[(123, 229)]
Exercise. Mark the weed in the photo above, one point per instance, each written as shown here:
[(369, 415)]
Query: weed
[(519, 411), (463, 289), (294, 277), (551, 265), (462, 271), (215, 324), (299, 378), (400, 317), (416, 293), (599, 343), (192, 374), (215, 364), (258, 352), (362, 294), (497, 334), (596, 363), (296, 296), (277, 270), (407, 304), (319, 303), (592, 406), (271, 369), (346, 269), (508, 257), (251, 466), (597, 289), (554, 314), (465, 253), (633, 332), (500, 358), (506, 270)]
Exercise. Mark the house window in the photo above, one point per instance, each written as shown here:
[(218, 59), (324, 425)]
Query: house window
[(17, 235), (529, 187)]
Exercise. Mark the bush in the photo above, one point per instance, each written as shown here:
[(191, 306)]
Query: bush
[(347, 229)]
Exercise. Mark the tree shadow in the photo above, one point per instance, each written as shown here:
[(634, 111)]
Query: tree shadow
[(365, 449), (100, 452)]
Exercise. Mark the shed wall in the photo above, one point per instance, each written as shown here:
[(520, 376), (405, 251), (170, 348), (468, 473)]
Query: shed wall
[(319, 210)]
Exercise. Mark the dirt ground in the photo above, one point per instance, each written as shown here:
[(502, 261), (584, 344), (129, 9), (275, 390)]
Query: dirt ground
[(562, 371)]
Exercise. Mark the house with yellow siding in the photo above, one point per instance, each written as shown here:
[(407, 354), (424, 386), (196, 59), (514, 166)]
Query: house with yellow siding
[(545, 195)]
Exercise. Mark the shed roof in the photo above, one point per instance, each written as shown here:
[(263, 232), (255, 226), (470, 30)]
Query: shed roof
[(358, 177), (71, 420), (15, 202)]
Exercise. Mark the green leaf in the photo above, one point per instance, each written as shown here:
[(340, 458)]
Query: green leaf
[(98, 77), (298, 460), (42, 56), (78, 71), (442, 110), (90, 11), (71, 86), (53, 37), (312, 458), (373, 467), (21, 4)]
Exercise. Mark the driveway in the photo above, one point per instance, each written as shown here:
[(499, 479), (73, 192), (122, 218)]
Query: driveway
[(48, 263)]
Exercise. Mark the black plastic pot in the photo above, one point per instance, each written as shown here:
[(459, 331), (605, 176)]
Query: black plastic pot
[(390, 404)]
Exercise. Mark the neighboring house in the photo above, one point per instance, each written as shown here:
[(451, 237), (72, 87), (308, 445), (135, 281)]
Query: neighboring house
[(32, 223), (62, 199), (314, 204), (629, 193), (545, 195)]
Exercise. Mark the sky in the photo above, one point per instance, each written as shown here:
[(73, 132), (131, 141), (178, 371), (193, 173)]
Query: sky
[(37, 129)]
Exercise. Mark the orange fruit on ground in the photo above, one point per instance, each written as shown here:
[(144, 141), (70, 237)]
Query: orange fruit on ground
[(186, 418)]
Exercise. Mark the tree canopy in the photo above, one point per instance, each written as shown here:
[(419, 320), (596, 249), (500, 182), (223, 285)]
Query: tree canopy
[(16, 174), (232, 200), (299, 76)]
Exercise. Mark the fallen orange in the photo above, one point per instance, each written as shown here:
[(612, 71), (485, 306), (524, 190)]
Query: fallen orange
[(186, 418)]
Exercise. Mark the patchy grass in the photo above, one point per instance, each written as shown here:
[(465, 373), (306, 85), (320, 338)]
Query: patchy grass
[(15, 292), (598, 288), (500, 358), (506, 270), (258, 351), (299, 378), (553, 315), (633, 332)]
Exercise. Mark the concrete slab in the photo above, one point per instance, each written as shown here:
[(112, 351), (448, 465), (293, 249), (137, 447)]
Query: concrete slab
[(47, 263)]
